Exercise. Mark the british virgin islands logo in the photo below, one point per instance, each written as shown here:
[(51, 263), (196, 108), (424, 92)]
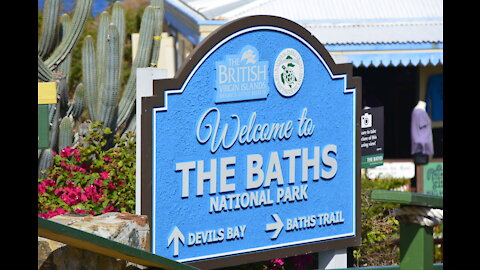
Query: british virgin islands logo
[(288, 72), (241, 76)]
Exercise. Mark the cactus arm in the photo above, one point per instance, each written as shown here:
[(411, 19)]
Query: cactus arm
[(75, 108), (64, 67), (54, 128), (118, 18), (44, 74), (62, 92), (82, 11), (111, 86), (51, 9), (89, 73), (142, 59), (45, 161), (158, 28), (65, 136), (104, 21)]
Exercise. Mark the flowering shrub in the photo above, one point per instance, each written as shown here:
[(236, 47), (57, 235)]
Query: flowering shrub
[(88, 179), (300, 262), (380, 229)]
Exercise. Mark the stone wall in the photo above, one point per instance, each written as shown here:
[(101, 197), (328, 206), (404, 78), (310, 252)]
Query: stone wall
[(125, 228)]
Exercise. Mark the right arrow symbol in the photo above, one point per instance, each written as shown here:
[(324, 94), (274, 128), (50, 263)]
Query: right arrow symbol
[(277, 226), (175, 237)]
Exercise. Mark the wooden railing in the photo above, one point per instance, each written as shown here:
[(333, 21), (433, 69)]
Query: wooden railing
[(84, 240)]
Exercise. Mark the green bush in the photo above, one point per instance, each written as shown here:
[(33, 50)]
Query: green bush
[(380, 229), (89, 179)]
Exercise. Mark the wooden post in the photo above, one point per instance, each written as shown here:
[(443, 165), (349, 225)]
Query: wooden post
[(47, 94), (416, 241), (332, 259), (419, 178), (416, 247)]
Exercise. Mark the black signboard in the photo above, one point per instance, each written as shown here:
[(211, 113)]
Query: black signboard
[(371, 140)]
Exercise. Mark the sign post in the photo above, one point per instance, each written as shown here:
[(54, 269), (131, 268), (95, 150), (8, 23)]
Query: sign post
[(252, 151), (46, 95)]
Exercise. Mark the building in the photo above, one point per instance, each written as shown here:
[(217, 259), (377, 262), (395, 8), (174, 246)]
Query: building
[(395, 46)]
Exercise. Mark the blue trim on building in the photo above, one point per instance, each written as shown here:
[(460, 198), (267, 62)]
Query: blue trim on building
[(192, 34), (394, 59), (384, 46)]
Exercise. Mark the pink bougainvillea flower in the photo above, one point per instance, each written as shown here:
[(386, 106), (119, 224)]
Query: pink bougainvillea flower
[(66, 152), (92, 193), (107, 209), (104, 175), (80, 211), (41, 189), (58, 190), (52, 213), (278, 261), (73, 195), (98, 182), (111, 186), (107, 158)]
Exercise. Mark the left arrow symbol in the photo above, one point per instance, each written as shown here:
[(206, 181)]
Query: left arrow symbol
[(175, 237)]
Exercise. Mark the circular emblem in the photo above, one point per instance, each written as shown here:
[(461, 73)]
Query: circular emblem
[(288, 72)]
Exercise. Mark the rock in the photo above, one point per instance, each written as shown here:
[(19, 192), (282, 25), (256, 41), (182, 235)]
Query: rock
[(125, 228)]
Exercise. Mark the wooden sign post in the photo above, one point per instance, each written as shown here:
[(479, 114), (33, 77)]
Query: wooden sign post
[(46, 95)]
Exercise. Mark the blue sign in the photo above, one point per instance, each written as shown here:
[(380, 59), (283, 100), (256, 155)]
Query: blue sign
[(256, 150)]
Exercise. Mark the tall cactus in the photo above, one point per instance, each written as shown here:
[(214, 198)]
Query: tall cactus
[(89, 76), (110, 87), (48, 38), (142, 59), (151, 25), (66, 26), (118, 18), (82, 11), (101, 77), (104, 21)]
